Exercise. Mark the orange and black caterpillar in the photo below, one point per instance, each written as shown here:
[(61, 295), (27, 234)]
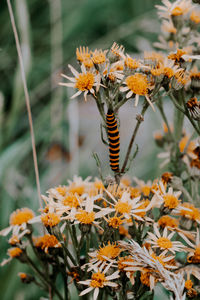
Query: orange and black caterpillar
[(114, 140)]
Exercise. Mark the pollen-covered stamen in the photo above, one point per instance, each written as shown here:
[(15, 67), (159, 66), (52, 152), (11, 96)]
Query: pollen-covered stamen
[(177, 56), (98, 57), (123, 207), (164, 243), (115, 222), (188, 284), (167, 221), (177, 11), (131, 63), (47, 241), (76, 189), (71, 200), (50, 219), (195, 17), (85, 81), (14, 252), (191, 212), (21, 216), (85, 217), (110, 250), (61, 190), (98, 280), (138, 84), (170, 201)]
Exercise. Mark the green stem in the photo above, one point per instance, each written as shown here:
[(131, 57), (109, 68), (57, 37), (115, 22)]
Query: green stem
[(139, 121), (43, 278)]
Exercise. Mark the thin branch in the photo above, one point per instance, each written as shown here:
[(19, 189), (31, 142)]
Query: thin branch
[(139, 121), (19, 52)]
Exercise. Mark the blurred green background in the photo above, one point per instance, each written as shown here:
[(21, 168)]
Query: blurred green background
[(66, 131)]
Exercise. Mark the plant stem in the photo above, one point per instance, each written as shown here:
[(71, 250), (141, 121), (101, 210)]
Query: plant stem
[(42, 277), (139, 121)]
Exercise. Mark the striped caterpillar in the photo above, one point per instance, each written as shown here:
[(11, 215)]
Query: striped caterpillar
[(114, 140)]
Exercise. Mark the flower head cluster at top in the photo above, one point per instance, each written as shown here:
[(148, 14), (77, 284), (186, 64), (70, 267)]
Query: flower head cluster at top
[(85, 214), (112, 76), (119, 237)]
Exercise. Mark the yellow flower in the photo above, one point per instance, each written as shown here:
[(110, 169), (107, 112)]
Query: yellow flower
[(131, 63), (98, 280), (137, 85), (99, 57), (84, 81), (50, 219), (21, 216), (170, 201), (82, 53), (47, 241), (195, 17), (167, 221), (71, 200), (110, 251), (14, 252), (85, 217)]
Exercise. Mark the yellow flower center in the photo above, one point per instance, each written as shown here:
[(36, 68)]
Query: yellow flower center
[(14, 240), (144, 204), (164, 243), (76, 189), (21, 216), (111, 251), (135, 192), (131, 63), (22, 275), (99, 185), (71, 201), (123, 207), (15, 252), (145, 277), (115, 222), (170, 201), (177, 11), (98, 280), (145, 189), (195, 17), (177, 56), (123, 262), (98, 57), (168, 72), (157, 71), (85, 217), (47, 241), (85, 81), (88, 63), (188, 284), (50, 219), (61, 190), (138, 84), (194, 214), (165, 221)]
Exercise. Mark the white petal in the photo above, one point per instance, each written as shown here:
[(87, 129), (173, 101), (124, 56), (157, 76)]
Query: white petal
[(96, 293), (77, 94), (86, 291), (73, 71)]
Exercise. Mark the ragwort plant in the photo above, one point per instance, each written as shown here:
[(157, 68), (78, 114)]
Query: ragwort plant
[(111, 237)]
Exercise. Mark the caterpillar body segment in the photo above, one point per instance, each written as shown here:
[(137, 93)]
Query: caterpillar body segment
[(114, 140)]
